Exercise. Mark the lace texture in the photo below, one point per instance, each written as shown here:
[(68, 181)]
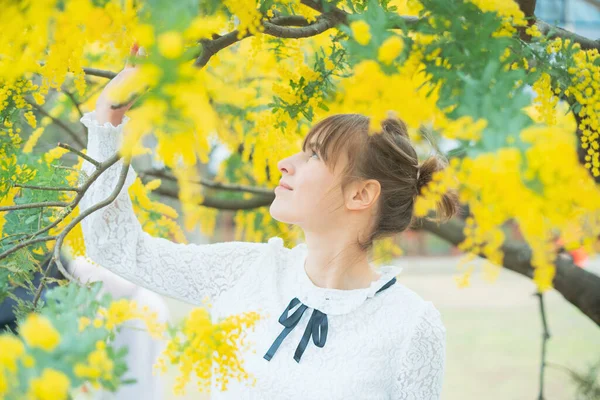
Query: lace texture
[(115, 240), (422, 366), (386, 345)]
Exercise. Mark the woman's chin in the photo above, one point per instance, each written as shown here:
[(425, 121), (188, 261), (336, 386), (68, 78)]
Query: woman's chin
[(280, 215)]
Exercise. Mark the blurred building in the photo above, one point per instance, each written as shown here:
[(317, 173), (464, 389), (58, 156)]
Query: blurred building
[(579, 16)]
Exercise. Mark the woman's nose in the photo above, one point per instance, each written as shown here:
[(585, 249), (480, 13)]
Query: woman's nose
[(285, 165)]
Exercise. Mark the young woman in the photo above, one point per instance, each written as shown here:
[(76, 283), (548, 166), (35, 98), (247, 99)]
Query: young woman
[(372, 337)]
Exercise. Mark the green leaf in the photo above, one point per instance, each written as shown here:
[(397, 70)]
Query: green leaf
[(323, 106)]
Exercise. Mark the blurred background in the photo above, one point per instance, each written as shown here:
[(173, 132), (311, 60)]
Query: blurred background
[(579, 16)]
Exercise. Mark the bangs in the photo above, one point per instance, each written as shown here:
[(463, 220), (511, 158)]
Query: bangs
[(336, 134)]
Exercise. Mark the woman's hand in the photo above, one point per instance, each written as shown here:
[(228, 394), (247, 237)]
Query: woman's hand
[(106, 111)]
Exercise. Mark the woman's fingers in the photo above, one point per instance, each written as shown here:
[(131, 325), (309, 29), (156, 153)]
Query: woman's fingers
[(132, 97), (136, 50), (130, 62)]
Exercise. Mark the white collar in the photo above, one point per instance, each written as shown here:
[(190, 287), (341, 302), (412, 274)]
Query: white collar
[(327, 300)]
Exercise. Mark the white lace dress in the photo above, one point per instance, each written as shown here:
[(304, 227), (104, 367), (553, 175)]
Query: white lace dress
[(380, 342)]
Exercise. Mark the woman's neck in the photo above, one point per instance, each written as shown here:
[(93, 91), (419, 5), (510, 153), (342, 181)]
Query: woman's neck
[(341, 275)]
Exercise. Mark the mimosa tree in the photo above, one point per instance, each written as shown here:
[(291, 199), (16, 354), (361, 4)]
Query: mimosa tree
[(519, 100)]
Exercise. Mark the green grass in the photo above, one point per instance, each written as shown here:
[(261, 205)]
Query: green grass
[(496, 354)]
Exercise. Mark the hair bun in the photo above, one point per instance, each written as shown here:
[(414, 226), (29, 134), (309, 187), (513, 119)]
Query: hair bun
[(448, 205), (394, 125)]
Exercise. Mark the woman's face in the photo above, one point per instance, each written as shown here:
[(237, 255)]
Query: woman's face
[(315, 200)]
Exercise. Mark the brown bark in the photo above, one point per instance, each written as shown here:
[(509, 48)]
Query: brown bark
[(578, 286)]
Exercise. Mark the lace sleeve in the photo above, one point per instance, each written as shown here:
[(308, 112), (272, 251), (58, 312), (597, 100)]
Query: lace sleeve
[(422, 369), (115, 240)]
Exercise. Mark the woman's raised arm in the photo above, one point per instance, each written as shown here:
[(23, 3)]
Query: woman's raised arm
[(114, 237), (115, 240)]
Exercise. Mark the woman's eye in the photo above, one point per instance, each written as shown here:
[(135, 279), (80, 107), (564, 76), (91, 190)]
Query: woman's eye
[(314, 154)]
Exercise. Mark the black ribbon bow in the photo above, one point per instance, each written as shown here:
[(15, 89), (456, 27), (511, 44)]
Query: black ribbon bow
[(317, 326)]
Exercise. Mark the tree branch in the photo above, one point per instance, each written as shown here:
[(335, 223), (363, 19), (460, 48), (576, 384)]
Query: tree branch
[(63, 234), (212, 47), (279, 27), (331, 17), (324, 6), (58, 188), (223, 204), (159, 173), (35, 205), (100, 168), (80, 154), (61, 124), (580, 287), (30, 238), (323, 22), (19, 246), (593, 3), (555, 32), (99, 72), (528, 8), (73, 100), (41, 287)]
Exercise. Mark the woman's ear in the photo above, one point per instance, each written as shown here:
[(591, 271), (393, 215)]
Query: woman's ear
[(363, 194)]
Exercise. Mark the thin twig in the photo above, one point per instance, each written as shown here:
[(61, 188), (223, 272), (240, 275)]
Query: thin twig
[(224, 204), (60, 238), (99, 72), (59, 123), (25, 244), (101, 167), (322, 23), (31, 237), (14, 234), (73, 100), (65, 167), (85, 213), (69, 189), (79, 153), (42, 284), (208, 183), (35, 205), (545, 337)]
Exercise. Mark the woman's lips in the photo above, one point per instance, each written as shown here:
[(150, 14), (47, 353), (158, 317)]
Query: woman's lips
[(283, 187)]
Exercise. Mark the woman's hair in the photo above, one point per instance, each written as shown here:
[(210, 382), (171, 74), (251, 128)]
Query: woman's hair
[(387, 156)]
